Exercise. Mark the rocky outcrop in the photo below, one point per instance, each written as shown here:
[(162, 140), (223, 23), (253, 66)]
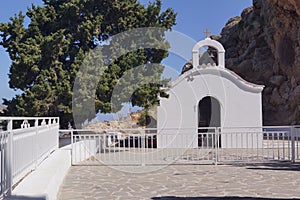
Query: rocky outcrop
[(2, 108), (129, 122), (263, 46)]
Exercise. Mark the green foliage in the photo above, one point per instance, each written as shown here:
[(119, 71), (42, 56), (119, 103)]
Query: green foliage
[(144, 118), (47, 55)]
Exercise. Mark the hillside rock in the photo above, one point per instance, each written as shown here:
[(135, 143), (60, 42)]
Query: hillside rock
[(263, 46), (129, 122), (2, 108)]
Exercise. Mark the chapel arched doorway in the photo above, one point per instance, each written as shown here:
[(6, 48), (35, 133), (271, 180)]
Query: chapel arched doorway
[(209, 117)]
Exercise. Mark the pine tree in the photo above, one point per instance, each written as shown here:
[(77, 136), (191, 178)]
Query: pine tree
[(46, 54)]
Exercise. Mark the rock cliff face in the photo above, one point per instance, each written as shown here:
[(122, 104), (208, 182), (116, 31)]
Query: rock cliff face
[(263, 46)]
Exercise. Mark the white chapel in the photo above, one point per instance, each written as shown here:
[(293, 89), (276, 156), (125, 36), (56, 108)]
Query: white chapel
[(208, 95)]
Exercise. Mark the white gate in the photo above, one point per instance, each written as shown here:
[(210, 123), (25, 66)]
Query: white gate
[(266, 144), (184, 146)]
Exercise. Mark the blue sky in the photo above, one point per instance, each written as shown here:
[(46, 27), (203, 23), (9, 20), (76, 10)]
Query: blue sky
[(194, 16)]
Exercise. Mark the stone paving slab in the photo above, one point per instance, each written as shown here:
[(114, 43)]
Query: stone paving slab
[(268, 181)]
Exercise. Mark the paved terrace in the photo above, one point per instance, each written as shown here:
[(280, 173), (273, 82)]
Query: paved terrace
[(55, 178), (270, 181)]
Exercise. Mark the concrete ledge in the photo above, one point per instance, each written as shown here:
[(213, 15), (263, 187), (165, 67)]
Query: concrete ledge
[(45, 181)]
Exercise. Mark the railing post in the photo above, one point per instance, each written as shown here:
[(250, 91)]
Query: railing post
[(216, 145), (10, 156), (36, 124), (56, 123), (72, 147), (293, 143), (143, 138)]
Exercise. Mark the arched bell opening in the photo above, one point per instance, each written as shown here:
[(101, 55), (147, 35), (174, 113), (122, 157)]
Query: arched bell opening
[(208, 56)]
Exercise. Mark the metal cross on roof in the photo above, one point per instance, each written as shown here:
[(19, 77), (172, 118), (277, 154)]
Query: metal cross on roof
[(207, 33)]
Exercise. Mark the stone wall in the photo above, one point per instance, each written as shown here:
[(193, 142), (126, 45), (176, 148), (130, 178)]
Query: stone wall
[(263, 46)]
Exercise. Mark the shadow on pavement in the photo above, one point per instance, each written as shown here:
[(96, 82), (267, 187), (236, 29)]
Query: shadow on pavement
[(281, 166), (14, 197), (215, 198)]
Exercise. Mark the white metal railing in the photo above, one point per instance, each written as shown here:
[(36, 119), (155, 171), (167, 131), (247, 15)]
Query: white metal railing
[(25, 143), (259, 144), (167, 146)]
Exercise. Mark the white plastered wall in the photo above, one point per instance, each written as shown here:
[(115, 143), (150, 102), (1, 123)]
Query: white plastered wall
[(240, 103)]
